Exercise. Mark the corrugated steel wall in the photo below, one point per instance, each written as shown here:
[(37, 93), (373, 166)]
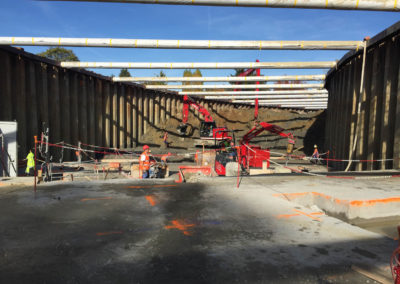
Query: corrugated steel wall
[(78, 105), (378, 125)]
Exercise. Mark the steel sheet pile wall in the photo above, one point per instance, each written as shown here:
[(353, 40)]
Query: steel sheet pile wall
[(77, 105), (378, 125)]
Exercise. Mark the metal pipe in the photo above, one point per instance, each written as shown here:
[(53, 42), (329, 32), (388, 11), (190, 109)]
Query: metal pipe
[(182, 44), (377, 5), (255, 92), (359, 106), (289, 103), (264, 97), (320, 77), (294, 104), (286, 101), (201, 65), (244, 86)]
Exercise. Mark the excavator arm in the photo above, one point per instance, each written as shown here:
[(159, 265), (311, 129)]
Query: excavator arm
[(262, 126), (187, 103)]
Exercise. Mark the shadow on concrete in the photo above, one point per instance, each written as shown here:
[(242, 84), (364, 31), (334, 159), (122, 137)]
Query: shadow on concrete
[(315, 135), (124, 240)]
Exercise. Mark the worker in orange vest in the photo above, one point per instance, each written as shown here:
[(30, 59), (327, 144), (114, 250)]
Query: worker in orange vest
[(165, 138), (164, 158), (144, 162), (315, 155)]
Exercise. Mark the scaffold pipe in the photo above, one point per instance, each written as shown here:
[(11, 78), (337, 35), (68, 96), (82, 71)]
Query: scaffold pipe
[(377, 5), (320, 77), (319, 100), (231, 93), (264, 97), (182, 44), (296, 104), (244, 86), (201, 65)]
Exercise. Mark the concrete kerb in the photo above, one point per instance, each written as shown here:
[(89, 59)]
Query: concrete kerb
[(347, 200)]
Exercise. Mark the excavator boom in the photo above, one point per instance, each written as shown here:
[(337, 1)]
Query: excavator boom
[(189, 102), (262, 126)]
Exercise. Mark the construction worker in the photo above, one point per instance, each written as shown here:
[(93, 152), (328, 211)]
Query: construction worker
[(315, 155), (144, 162), (232, 153), (165, 157), (30, 162), (164, 166), (165, 139)]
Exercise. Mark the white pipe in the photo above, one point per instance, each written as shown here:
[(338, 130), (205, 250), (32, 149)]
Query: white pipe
[(376, 5), (295, 104), (264, 97), (222, 79), (181, 44), (291, 101), (244, 86), (295, 101), (358, 107), (200, 65), (255, 92)]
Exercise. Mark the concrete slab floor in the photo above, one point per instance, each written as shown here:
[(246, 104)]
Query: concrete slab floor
[(160, 232)]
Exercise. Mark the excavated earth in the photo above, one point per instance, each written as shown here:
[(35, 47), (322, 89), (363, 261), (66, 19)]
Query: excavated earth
[(307, 127)]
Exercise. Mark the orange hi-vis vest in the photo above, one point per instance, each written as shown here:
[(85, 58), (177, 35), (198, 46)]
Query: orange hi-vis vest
[(164, 158), (144, 164)]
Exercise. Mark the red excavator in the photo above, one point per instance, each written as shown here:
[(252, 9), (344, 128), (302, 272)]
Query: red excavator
[(251, 155), (210, 133)]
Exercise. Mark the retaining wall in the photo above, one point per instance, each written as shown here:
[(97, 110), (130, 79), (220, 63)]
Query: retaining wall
[(378, 126), (79, 105)]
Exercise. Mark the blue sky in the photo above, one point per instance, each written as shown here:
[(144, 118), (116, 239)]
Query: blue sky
[(116, 20)]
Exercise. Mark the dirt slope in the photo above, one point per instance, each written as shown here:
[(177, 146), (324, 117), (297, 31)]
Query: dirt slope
[(297, 122)]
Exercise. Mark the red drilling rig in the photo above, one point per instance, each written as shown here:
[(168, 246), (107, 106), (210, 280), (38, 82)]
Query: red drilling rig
[(210, 133), (251, 155)]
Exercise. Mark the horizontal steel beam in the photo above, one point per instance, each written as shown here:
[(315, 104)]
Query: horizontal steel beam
[(244, 86), (264, 97), (318, 102), (295, 104), (376, 5), (292, 101), (201, 65), (320, 77), (181, 44), (231, 93)]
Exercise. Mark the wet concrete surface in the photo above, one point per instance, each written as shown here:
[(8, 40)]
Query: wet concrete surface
[(141, 232)]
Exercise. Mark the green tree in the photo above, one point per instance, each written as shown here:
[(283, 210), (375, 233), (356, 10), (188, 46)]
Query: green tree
[(160, 75), (197, 73), (124, 73), (59, 54)]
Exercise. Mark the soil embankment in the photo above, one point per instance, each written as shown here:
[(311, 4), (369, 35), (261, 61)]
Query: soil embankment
[(298, 122)]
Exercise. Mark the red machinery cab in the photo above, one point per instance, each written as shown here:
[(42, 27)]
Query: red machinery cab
[(209, 130), (253, 156)]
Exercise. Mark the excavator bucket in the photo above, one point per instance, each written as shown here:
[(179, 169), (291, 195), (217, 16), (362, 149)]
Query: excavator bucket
[(182, 129)]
